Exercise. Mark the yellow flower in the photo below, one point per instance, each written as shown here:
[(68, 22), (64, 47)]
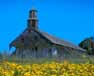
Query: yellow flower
[(54, 75), (51, 69), (27, 74)]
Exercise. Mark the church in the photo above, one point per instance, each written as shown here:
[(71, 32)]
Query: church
[(34, 43)]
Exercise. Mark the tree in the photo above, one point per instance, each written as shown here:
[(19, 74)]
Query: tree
[(88, 44)]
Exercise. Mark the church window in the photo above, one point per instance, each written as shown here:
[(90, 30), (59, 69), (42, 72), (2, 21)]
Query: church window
[(36, 48), (54, 51), (33, 23)]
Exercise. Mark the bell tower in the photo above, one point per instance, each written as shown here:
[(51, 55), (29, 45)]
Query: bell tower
[(33, 21)]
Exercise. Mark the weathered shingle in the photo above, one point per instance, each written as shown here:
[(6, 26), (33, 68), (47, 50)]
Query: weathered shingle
[(49, 37), (58, 41)]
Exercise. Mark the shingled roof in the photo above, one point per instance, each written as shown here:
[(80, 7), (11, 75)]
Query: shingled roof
[(49, 37), (58, 41)]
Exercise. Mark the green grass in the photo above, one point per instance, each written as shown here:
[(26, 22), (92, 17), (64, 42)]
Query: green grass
[(87, 59)]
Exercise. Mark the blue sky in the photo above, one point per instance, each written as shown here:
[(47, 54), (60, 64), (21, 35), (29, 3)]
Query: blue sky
[(72, 20)]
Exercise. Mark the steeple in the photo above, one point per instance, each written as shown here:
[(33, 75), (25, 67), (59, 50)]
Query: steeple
[(33, 21)]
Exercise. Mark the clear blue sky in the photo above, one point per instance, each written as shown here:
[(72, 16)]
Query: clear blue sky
[(72, 20)]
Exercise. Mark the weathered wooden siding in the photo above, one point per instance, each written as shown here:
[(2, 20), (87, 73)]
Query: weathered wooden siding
[(35, 45)]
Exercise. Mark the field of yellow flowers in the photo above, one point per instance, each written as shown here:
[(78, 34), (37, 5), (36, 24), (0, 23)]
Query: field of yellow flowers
[(46, 69)]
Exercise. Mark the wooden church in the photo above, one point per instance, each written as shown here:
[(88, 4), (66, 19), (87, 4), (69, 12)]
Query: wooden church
[(34, 43)]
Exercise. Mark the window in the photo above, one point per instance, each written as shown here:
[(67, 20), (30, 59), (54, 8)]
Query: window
[(36, 48), (54, 51), (33, 23)]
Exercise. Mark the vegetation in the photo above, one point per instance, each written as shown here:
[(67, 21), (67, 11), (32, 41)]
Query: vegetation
[(73, 58), (88, 44), (73, 66), (46, 69)]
